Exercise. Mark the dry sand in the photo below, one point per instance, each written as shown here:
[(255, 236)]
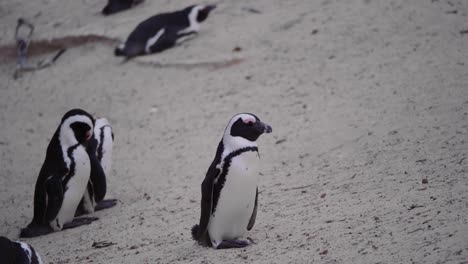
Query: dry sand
[(367, 98)]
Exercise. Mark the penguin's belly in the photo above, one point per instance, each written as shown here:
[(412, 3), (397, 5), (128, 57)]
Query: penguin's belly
[(74, 189), (237, 199)]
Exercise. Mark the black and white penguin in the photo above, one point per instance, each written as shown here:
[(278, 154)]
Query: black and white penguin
[(164, 31), (229, 191), (114, 6), (100, 154), (63, 177), (16, 252)]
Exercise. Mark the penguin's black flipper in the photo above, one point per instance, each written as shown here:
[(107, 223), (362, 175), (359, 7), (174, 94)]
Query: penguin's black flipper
[(79, 222), (254, 213), (167, 40), (97, 177), (54, 191), (207, 190), (105, 204), (206, 206)]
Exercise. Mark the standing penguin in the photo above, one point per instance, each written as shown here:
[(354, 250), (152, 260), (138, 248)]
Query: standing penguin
[(164, 31), (16, 252), (63, 177), (100, 154), (229, 191)]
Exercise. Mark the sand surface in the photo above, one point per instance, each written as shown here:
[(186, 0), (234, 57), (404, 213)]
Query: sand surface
[(367, 98)]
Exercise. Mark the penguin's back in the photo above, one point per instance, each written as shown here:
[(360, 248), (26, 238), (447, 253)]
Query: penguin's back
[(151, 26)]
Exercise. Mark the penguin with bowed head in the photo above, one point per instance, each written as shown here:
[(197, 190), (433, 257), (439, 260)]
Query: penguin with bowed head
[(229, 190), (63, 177), (100, 154), (164, 31), (16, 252)]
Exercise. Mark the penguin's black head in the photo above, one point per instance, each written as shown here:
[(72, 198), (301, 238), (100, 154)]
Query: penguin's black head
[(82, 131), (203, 12), (81, 124), (248, 126)]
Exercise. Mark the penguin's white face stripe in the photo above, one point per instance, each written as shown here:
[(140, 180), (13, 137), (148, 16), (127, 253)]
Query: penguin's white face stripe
[(67, 137), (194, 25), (249, 119), (153, 40), (234, 143), (246, 118), (67, 132)]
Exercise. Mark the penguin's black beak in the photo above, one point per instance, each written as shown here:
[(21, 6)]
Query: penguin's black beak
[(262, 127)]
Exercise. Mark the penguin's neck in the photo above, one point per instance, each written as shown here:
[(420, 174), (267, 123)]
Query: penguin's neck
[(232, 144), (67, 139), (194, 25)]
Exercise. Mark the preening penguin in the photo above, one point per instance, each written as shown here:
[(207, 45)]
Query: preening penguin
[(229, 190), (63, 177), (100, 155), (164, 31), (16, 252)]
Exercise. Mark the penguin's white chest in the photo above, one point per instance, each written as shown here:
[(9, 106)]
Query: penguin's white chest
[(237, 199), (74, 189)]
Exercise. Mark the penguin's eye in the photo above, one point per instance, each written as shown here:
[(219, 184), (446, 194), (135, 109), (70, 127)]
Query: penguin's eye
[(248, 121)]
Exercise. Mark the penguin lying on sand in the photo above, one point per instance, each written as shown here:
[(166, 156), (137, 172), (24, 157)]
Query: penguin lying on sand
[(16, 252), (114, 6), (163, 31), (63, 177), (100, 154), (229, 191)]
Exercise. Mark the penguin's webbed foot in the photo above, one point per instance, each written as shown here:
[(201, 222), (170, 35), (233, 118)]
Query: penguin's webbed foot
[(232, 244), (79, 222), (105, 204), (35, 230)]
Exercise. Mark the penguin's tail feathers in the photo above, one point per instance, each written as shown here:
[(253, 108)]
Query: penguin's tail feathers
[(195, 232)]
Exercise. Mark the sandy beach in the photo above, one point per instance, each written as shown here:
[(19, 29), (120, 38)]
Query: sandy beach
[(368, 100)]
